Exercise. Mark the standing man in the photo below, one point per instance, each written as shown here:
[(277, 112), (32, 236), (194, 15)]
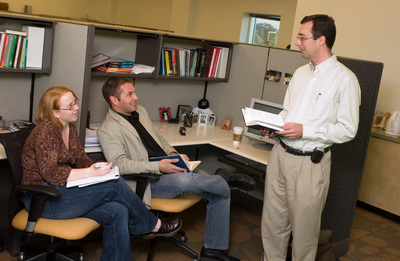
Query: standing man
[(321, 107), (128, 139)]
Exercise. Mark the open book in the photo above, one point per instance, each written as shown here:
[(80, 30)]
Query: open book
[(113, 174), (182, 163), (258, 119)]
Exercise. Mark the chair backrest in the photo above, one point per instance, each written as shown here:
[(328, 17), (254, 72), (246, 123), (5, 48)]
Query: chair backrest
[(13, 143)]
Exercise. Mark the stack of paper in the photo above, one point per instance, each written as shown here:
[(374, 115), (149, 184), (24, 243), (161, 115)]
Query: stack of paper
[(113, 174)]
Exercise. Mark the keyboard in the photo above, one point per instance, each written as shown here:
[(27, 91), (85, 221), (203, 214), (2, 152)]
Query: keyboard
[(246, 162)]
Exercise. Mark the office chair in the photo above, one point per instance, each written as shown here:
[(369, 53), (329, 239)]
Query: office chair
[(30, 222), (165, 207)]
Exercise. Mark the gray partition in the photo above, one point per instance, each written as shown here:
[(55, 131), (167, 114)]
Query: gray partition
[(245, 82), (348, 158), (283, 61)]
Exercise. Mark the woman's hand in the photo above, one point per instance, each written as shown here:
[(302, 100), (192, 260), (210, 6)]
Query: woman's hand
[(96, 169), (100, 169)]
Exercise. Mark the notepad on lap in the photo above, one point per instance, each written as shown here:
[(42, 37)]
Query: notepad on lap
[(182, 163), (113, 174)]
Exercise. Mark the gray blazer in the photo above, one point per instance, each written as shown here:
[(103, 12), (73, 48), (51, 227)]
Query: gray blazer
[(122, 145)]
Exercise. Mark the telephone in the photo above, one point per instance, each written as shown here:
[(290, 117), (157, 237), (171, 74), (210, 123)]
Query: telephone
[(15, 125)]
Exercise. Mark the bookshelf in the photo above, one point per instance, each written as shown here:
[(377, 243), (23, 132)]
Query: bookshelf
[(140, 47), (16, 22), (181, 42)]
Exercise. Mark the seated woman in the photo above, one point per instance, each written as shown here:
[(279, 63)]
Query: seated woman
[(53, 155)]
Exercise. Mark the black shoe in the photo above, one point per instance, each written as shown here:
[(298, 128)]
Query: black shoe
[(238, 181), (1, 245), (208, 254), (169, 227)]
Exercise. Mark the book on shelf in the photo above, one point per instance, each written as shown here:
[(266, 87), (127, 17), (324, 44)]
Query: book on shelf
[(2, 40), (35, 47), (15, 32), (182, 163), (119, 63), (11, 46), (167, 63), (18, 51), (22, 62), (221, 72), (211, 60), (100, 59), (114, 70), (259, 119), (113, 174)]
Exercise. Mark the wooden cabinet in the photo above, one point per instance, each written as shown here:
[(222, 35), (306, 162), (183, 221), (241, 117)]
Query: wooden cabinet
[(381, 177)]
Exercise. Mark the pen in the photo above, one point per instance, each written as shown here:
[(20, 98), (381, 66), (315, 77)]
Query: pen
[(97, 167), (318, 96)]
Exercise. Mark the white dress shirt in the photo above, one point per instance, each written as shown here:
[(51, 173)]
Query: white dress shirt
[(326, 100)]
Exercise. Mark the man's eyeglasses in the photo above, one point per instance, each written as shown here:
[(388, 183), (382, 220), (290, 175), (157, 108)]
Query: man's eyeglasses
[(302, 38), (71, 107)]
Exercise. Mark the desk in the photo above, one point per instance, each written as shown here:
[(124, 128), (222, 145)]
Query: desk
[(198, 135), (215, 136)]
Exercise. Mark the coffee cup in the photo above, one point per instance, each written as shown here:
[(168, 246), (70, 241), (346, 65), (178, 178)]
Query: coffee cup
[(237, 135)]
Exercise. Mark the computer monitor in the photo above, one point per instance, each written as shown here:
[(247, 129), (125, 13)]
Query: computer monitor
[(263, 106)]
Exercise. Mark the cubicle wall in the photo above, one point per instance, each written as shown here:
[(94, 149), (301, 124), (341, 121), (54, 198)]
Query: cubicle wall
[(348, 158)]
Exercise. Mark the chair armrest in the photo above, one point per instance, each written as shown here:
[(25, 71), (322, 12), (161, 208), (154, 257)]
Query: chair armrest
[(39, 196), (141, 176), (40, 190), (142, 181)]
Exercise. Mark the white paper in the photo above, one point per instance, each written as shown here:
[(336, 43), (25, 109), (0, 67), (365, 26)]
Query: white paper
[(254, 117), (113, 174)]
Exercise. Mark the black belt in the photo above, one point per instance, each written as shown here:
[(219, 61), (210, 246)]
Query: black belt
[(297, 152)]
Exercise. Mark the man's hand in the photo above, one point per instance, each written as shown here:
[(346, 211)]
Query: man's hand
[(291, 130), (167, 165), (266, 132)]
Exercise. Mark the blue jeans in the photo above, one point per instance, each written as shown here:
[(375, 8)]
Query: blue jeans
[(112, 204), (211, 187)]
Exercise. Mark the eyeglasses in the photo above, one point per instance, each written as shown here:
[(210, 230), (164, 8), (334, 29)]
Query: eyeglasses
[(302, 38), (71, 107)]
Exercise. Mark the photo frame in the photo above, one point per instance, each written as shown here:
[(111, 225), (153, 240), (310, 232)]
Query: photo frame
[(226, 123), (211, 120), (203, 119), (273, 76), (195, 118), (165, 113), (183, 110)]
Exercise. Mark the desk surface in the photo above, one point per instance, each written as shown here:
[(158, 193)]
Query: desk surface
[(198, 135)]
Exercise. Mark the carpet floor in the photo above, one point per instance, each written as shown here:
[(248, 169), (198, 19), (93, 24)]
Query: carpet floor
[(372, 238)]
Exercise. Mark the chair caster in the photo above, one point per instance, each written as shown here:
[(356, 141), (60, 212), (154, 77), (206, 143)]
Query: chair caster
[(21, 256), (183, 239), (81, 257)]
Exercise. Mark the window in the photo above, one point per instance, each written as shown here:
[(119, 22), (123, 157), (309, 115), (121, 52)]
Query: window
[(260, 29)]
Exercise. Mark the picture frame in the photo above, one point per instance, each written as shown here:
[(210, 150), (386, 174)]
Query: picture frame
[(226, 123), (195, 118), (165, 114), (203, 119), (211, 120), (183, 110)]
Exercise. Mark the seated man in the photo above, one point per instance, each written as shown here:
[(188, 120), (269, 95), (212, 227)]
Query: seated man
[(128, 139)]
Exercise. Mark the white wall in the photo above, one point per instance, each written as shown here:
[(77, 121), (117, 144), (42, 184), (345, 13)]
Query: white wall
[(366, 30)]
